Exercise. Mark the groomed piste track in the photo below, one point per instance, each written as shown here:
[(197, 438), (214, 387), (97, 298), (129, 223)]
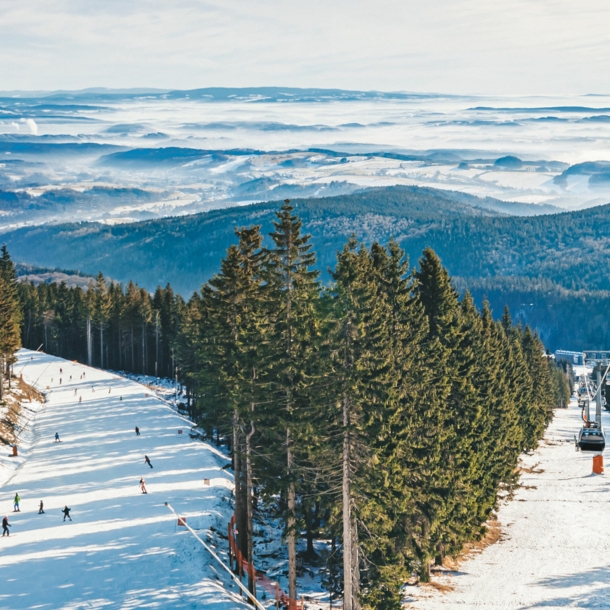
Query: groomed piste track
[(123, 549)]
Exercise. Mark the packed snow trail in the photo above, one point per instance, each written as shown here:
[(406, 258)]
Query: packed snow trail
[(123, 548), (554, 551)]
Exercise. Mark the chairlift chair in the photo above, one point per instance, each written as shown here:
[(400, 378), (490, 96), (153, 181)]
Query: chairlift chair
[(591, 437)]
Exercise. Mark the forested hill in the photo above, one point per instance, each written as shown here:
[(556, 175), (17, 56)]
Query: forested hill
[(471, 239)]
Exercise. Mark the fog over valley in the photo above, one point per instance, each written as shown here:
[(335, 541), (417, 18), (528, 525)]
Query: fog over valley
[(123, 156)]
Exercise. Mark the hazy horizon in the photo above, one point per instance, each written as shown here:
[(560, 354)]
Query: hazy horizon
[(451, 46)]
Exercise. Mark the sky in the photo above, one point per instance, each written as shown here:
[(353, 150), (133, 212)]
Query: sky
[(503, 47)]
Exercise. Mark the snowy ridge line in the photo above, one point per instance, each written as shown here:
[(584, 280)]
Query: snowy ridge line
[(209, 550)]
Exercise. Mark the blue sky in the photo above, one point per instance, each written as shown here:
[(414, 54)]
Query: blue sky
[(454, 46)]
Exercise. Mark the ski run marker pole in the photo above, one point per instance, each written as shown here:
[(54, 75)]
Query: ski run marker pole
[(209, 550)]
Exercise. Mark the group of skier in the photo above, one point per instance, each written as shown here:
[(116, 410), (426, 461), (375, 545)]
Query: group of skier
[(16, 509), (66, 511)]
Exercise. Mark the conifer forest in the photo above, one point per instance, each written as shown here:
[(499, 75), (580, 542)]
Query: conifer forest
[(379, 412)]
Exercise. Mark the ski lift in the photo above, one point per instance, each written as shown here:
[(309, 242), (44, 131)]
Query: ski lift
[(591, 437)]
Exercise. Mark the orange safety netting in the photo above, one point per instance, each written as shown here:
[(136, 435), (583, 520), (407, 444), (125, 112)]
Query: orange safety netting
[(271, 587)]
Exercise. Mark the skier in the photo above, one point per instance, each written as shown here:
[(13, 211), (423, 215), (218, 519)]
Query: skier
[(16, 508), (80, 399), (60, 381), (61, 370), (137, 431), (41, 509), (5, 526), (57, 437), (147, 461), (143, 485), (75, 391), (66, 512)]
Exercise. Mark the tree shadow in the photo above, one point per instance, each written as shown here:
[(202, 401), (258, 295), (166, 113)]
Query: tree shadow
[(592, 590)]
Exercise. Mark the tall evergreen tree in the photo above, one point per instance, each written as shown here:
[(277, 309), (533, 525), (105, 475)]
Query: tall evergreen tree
[(292, 291)]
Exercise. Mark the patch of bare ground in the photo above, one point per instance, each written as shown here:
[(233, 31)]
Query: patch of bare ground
[(451, 565), (491, 536), (15, 411), (440, 586), (530, 469)]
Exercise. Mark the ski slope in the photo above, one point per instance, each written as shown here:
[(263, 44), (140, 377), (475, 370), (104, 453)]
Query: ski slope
[(123, 549), (554, 551)]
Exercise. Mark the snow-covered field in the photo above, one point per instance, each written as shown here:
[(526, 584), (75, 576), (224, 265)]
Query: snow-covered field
[(555, 545), (123, 549)]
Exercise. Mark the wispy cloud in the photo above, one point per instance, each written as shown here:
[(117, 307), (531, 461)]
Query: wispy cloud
[(446, 45)]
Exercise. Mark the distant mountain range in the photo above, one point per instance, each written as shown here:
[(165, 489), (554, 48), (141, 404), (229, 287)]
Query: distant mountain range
[(526, 261), (474, 236), (215, 94)]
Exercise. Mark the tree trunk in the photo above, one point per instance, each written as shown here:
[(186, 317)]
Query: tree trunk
[(89, 344), (291, 524), (355, 567), (237, 473), (309, 532), (249, 524), (143, 349), (440, 554), (424, 572), (347, 517)]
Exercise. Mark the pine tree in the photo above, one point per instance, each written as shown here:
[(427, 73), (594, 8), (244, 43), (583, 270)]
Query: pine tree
[(11, 316), (292, 292)]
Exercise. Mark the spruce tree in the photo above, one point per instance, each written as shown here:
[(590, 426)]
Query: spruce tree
[(292, 292), (10, 315)]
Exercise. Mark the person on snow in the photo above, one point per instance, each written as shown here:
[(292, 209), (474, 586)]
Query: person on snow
[(147, 461), (66, 512), (143, 485), (5, 526), (57, 437), (16, 508), (80, 399), (137, 431), (41, 508)]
